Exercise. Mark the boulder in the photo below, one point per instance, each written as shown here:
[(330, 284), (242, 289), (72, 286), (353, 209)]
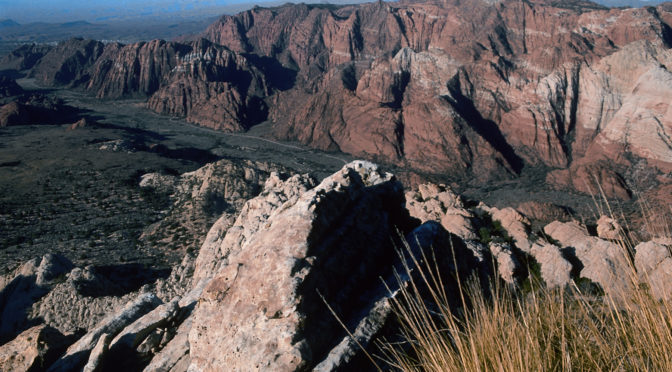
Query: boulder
[(131, 336), (601, 261), (508, 266), (555, 269), (174, 357), (33, 350), (439, 203), (96, 358), (224, 238), (608, 228), (77, 354), (29, 283)]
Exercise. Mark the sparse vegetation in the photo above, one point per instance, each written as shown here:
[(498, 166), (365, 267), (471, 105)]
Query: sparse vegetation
[(508, 329)]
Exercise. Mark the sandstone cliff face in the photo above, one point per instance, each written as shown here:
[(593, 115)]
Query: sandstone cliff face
[(24, 57), (214, 87), (68, 63), (467, 87), (475, 90), (135, 69)]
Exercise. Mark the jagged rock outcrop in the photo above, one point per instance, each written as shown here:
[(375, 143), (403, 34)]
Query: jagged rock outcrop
[(438, 203), (270, 281), (24, 57), (134, 69), (257, 294), (96, 358), (83, 298), (207, 199), (518, 83), (223, 240), (601, 261), (77, 355)]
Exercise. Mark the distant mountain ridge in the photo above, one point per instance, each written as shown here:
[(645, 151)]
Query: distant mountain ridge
[(8, 23)]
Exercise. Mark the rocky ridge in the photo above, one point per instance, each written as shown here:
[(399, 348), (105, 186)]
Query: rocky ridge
[(256, 296)]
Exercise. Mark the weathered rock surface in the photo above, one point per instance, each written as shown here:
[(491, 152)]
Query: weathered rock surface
[(33, 350), (654, 266), (505, 78), (87, 295), (30, 282), (269, 285), (610, 229), (438, 203), (96, 358), (174, 357), (254, 297), (24, 57), (603, 262), (555, 269), (77, 354), (208, 198), (223, 240), (131, 336), (214, 87), (68, 63)]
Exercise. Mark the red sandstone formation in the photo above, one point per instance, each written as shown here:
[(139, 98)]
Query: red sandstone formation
[(473, 90)]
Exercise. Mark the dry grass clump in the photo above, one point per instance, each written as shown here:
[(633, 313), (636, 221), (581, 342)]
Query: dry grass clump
[(542, 330)]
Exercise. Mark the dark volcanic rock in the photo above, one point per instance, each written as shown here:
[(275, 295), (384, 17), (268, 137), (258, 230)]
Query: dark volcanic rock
[(35, 109)]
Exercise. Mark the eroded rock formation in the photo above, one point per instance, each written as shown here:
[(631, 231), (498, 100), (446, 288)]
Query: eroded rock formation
[(470, 90)]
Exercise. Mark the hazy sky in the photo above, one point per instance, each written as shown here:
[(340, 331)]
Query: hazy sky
[(92, 10), (24, 11)]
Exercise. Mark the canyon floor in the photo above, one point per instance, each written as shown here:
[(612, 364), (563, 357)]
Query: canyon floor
[(59, 191)]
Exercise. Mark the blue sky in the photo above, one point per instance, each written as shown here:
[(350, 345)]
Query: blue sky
[(92, 10)]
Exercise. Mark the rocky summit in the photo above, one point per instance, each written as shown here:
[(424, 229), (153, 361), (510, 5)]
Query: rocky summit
[(277, 288)]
